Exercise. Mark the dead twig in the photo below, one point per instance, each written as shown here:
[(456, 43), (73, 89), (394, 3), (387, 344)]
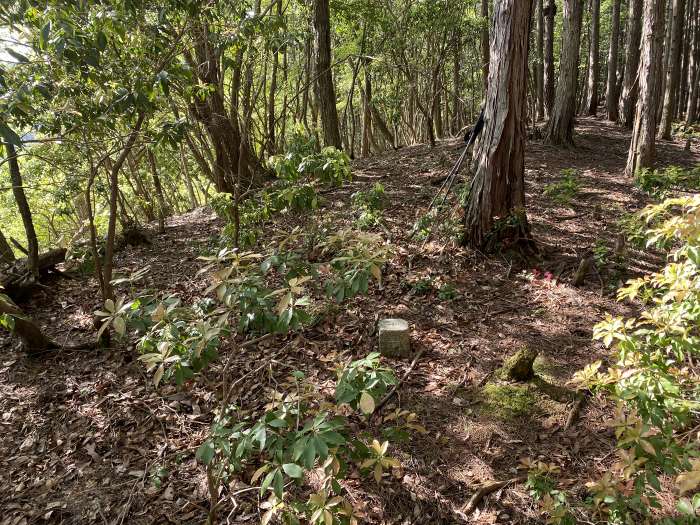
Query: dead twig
[(576, 410), (487, 488)]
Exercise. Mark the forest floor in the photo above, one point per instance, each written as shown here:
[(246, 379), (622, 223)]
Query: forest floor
[(87, 439)]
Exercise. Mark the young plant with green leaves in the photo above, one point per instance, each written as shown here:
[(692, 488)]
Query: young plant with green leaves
[(654, 378)]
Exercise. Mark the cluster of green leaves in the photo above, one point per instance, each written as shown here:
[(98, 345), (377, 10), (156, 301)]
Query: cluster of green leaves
[(565, 189), (299, 433), (261, 294), (329, 166), (177, 341), (363, 382), (299, 172), (370, 204), (655, 380), (658, 183), (358, 259), (542, 485)]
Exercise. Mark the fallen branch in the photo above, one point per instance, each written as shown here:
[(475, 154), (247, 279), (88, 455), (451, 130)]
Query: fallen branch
[(576, 410), (485, 489), (393, 390)]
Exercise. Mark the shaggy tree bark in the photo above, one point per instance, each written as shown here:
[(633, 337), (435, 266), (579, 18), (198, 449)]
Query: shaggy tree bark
[(324, 76), (630, 82), (611, 94), (643, 147), (539, 62), (673, 69), (594, 66), (485, 51), (24, 210), (496, 209), (549, 12), (223, 128), (561, 124)]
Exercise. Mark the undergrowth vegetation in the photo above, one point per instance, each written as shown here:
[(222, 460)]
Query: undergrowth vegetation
[(654, 381)]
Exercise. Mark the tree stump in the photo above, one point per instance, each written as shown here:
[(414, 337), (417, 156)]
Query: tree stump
[(394, 339), (518, 367)]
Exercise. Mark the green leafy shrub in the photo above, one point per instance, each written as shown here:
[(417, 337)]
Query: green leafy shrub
[(358, 261), (564, 190), (178, 341), (298, 434), (362, 383), (658, 183), (302, 159), (654, 380), (370, 204), (372, 199)]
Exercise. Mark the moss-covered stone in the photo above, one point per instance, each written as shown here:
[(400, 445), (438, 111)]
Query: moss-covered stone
[(518, 367), (507, 401)]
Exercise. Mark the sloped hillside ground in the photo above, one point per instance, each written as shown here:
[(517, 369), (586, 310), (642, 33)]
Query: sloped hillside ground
[(87, 439)]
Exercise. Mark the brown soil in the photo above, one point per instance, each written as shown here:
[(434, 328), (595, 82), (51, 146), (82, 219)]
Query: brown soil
[(83, 431)]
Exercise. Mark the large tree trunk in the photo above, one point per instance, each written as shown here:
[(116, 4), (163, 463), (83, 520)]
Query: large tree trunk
[(594, 67), (673, 70), (642, 150), (561, 124), (611, 94), (694, 73), (549, 13), (496, 209), (630, 83), (485, 52), (7, 256), (324, 75), (223, 129), (539, 64), (24, 210)]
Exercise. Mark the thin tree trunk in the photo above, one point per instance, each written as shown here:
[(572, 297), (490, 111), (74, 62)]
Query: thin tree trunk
[(665, 64), (611, 95), (549, 13), (539, 64), (561, 124), (593, 52), (159, 191), (496, 209), (367, 138), (694, 73), (324, 74), (630, 83), (194, 203), (673, 70), (485, 52), (113, 195), (24, 210), (642, 150), (457, 84)]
